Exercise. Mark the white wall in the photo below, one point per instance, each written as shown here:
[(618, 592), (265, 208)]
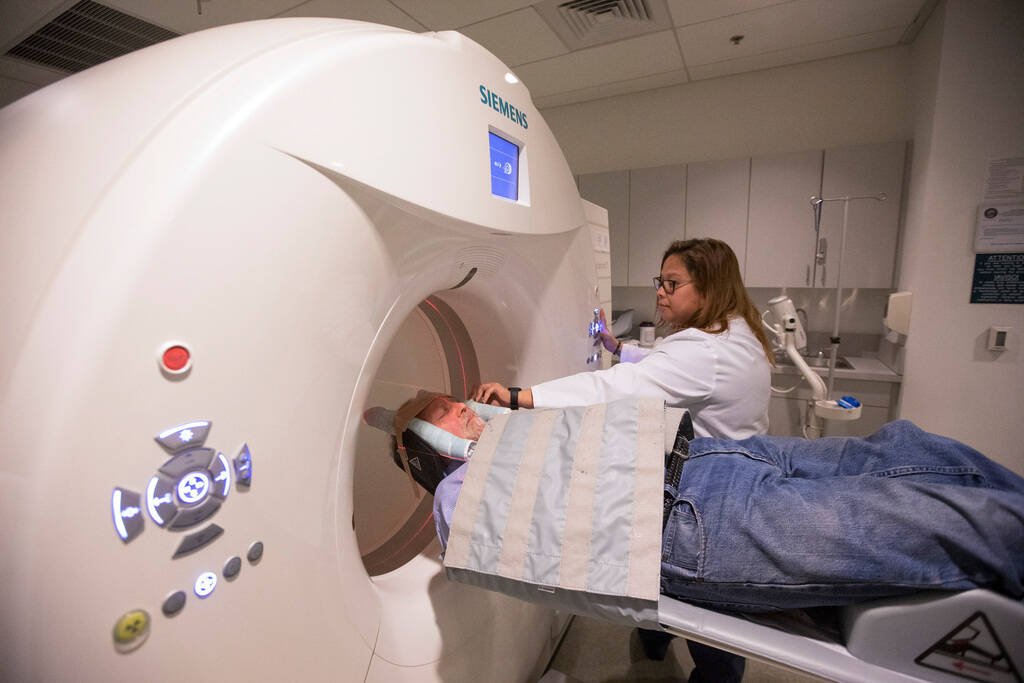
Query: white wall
[(853, 99), (968, 79)]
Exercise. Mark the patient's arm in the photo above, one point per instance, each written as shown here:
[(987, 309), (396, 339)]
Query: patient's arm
[(445, 497)]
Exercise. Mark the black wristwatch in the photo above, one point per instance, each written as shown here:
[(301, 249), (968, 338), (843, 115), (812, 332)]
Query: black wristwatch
[(513, 397)]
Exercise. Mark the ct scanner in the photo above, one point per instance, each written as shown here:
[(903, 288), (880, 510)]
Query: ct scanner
[(215, 253)]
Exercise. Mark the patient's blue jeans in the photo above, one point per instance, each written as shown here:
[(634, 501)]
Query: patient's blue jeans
[(776, 523)]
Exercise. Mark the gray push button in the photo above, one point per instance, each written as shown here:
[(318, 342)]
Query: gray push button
[(233, 566), (192, 516), (127, 509), (194, 542), (243, 466), (220, 476), (173, 604), (189, 460), (255, 552), (184, 436), (160, 500)]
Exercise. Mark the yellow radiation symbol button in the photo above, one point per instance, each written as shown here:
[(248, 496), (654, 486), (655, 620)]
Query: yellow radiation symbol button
[(131, 630)]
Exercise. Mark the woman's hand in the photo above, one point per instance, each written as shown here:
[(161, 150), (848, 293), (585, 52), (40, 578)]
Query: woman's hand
[(609, 342), (498, 395), (493, 393)]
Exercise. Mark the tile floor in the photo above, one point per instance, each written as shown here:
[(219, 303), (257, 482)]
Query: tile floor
[(599, 652)]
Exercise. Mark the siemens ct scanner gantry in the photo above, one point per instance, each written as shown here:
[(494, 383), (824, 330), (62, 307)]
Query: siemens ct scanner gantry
[(215, 254)]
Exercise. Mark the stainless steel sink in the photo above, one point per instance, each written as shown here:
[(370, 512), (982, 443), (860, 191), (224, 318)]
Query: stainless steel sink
[(814, 361)]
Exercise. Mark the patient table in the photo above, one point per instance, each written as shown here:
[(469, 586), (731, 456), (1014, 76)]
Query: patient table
[(973, 635)]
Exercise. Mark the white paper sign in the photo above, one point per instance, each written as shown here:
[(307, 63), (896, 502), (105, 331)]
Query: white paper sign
[(1005, 179), (1000, 228)]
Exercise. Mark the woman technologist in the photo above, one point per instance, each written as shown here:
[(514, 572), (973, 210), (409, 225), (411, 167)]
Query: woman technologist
[(716, 362)]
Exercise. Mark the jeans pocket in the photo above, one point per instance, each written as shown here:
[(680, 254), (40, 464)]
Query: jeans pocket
[(684, 540), (960, 475)]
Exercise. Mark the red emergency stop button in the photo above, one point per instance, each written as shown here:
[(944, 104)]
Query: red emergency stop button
[(175, 358)]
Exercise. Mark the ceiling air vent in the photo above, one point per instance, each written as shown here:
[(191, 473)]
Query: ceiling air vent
[(586, 23), (86, 35)]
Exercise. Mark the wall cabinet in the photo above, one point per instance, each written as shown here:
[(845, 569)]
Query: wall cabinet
[(657, 204), (716, 202), (780, 238), (869, 258), (761, 208)]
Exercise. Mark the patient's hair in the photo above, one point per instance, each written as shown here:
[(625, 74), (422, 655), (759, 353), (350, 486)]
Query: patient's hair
[(716, 274), (427, 465)]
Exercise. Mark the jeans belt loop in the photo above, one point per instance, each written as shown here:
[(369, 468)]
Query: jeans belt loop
[(674, 462)]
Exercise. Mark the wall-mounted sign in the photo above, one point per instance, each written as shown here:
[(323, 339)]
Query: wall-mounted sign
[(998, 279), (1000, 228)]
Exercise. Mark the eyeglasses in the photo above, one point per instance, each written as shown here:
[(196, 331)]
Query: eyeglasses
[(669, 285)]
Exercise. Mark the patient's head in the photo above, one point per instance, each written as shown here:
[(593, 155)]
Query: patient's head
[(453, 417), (427, 465)]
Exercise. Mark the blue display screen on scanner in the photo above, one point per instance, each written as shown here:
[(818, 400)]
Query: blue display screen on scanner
[(504, 168)]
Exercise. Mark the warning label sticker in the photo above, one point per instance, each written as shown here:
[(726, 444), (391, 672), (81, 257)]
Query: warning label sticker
[(973, 651)]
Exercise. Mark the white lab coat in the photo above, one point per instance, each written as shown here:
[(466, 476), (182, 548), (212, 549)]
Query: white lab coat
[(723, 379)]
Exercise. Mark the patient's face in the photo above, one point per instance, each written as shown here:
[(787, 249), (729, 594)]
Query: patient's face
[(453, 417)]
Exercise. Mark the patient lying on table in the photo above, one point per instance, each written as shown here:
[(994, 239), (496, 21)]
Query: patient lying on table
[(773, 523)]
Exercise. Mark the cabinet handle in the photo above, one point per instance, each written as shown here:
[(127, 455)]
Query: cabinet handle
[(807, 276)]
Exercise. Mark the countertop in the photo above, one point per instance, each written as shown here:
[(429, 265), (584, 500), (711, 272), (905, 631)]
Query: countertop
[(864, 368)]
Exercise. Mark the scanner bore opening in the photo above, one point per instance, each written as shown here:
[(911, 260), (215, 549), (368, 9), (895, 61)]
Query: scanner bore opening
[(432, 350)]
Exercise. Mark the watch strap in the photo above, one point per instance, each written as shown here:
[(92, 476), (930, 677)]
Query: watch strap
[(513, 397)]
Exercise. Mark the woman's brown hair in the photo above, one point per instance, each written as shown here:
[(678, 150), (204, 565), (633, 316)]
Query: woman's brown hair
[(716, 275)]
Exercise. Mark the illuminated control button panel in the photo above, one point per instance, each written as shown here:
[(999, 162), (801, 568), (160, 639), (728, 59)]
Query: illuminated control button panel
[(185, 491), (127, 509), (243, 466), (205, 584), (184, 436), (160, 500), (220, 471), (594, 330), (595, 325)]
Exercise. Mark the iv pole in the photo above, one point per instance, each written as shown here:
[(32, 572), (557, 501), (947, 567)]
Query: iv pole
[(816, 203)]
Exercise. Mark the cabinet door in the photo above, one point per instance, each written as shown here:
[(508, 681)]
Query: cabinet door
[(611, 191), (869, 256), (780, 237), (657, 201), (716, 202)]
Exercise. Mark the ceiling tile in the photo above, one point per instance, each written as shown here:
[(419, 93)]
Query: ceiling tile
[(440, 15), (27, 72), (803, 53), (780, 27), (360, 10), (686, 12), (20, 18), (611, 89), (517, 38), (182, 16), (647, 55)]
